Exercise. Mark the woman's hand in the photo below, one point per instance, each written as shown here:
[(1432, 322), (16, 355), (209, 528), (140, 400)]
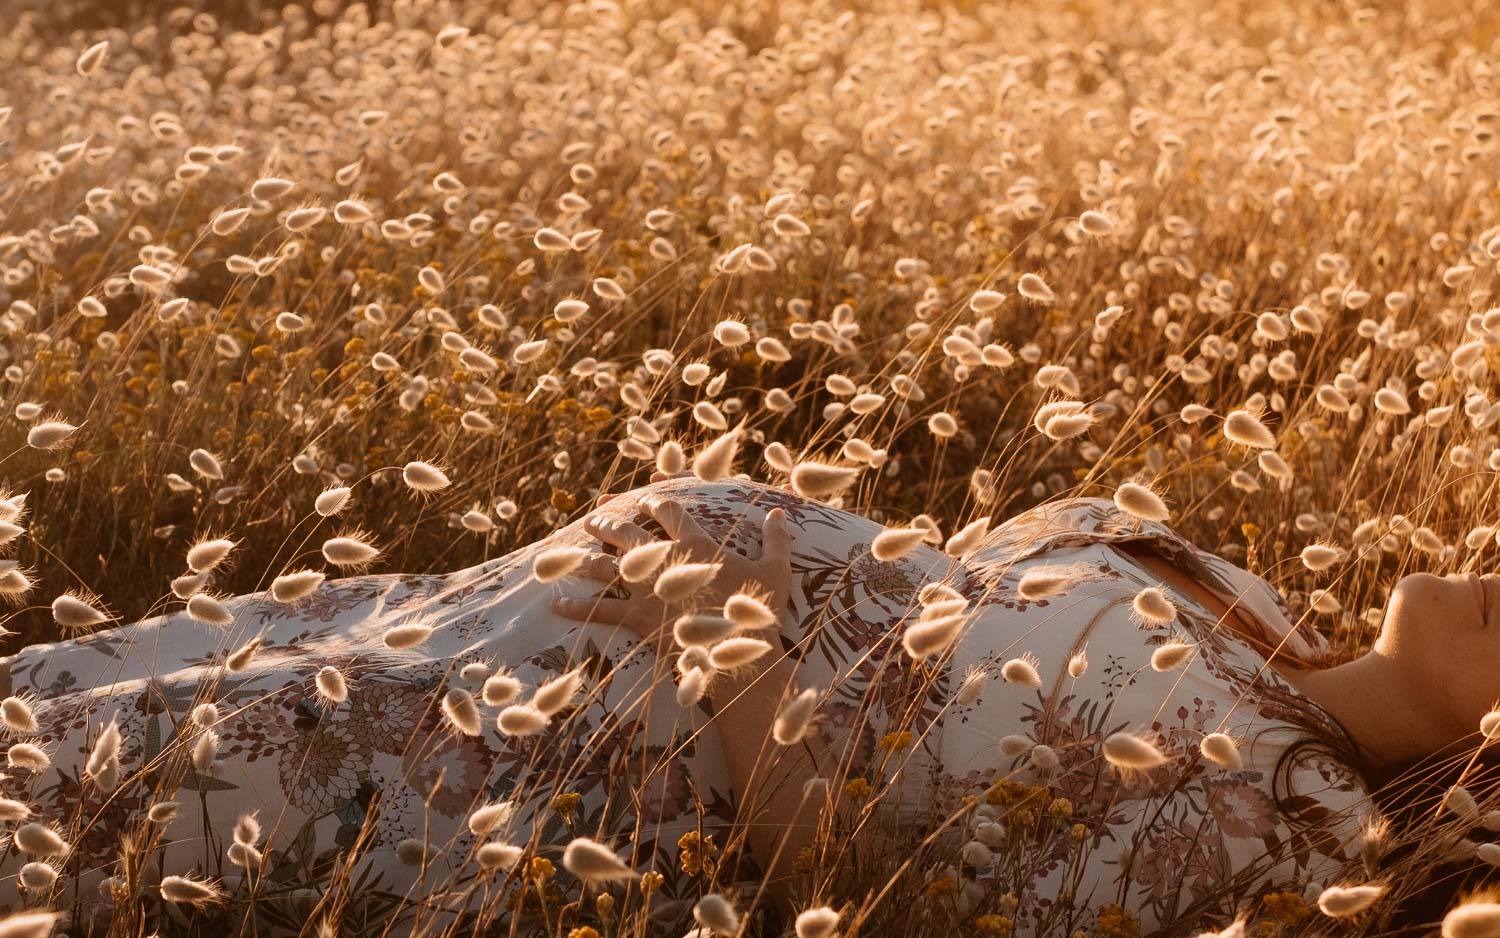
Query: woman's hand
[(644, 613)]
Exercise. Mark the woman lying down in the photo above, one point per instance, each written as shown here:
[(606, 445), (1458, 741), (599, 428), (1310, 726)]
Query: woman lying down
[(722, 705)]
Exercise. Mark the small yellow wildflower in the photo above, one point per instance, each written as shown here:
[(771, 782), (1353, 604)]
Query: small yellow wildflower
[(584, 931), (858, 788), (567, 804), (1116, 921), (941, 887), (896, 741), (542, 869), (994, 924), (651, 881), (697, 854)]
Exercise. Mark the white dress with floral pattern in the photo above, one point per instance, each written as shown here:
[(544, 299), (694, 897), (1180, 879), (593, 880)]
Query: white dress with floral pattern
[(384, 767)]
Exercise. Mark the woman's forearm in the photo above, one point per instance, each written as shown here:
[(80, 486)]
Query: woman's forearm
[(768, 778)]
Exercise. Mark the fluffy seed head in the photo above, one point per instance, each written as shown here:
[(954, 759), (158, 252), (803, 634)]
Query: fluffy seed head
[(557, 693), (1472, 920), (17, 716), (486, 819), (817, 923), (331, 684), (39, 840), (1130, 752), (697, 629), (424, 477), (28, 924), (89, 61), (208, 554), (406, 636), (716, 460), (186, 891), (1139, 501), (1343, 901), (1222, 751), (895, 543), (557, 562), (681, 582), (296, 586), (521, 720), (821, 480), (500, 689), (1246, 429), (639, 563), (932, 636), (1489, 725), (461, 712), (1460, 802), (749, 612), (74, 614), (717, 914), (50, 434), (331, 501), (1097, 224), (206, 464), (592, 861), (271, 187), (28, 756), (1319, 557), (350, 550), (1022, 671), (1043, 582), (498, 856), (37, 876), (691, 686), (795, 717), (1153, 606), (1171, 655), (1034, 288), (734, 653), (229, 221)]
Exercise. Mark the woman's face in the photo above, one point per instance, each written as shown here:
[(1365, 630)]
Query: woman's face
[(1445, 633)]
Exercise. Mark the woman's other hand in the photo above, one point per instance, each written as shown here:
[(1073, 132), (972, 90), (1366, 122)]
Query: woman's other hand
[(643, 612)]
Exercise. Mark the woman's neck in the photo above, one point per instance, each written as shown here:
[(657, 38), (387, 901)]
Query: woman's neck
[(1373, 698)]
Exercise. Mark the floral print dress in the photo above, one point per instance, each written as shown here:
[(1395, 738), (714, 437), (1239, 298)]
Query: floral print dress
[(371, 796)]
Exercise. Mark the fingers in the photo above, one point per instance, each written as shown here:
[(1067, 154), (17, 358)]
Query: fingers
[(593, 609), (776, 539), (605, 498), (601, 567), (616, 532), (678, 524)]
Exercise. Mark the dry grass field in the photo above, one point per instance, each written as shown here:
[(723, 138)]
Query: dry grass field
[(250, 256)]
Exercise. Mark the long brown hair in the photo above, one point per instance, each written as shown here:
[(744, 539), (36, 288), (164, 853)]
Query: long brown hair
[(1405, 800)]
